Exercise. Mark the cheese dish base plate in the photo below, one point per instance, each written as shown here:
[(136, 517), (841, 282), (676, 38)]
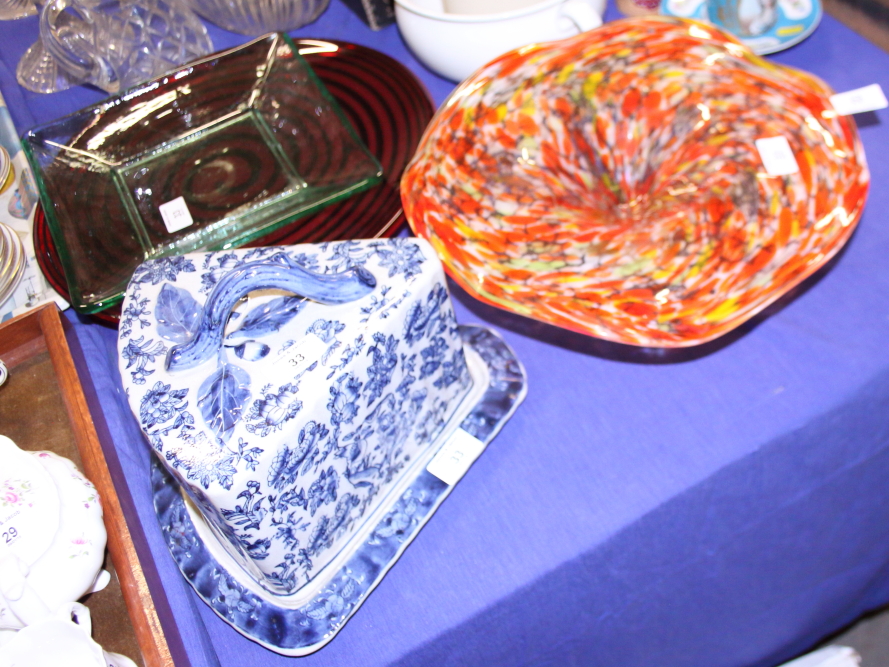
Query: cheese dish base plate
[(304, 629)]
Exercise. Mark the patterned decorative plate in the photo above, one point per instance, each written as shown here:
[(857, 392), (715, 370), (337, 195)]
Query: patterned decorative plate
[(12, 261), (783, 23), (301, 630), (389, 109), (610, 183)]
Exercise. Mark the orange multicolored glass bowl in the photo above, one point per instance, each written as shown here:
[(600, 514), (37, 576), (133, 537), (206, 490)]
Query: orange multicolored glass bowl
[(610, 183)]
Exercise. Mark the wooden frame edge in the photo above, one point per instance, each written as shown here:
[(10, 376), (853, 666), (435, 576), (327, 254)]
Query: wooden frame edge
[(138, 598)]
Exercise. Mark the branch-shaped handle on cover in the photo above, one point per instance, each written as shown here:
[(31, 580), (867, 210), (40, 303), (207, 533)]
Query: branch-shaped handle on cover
[(275, 272)]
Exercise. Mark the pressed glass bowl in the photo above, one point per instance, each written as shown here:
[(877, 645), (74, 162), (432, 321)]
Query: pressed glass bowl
[(610, 183), (249, 139), (255, 17)]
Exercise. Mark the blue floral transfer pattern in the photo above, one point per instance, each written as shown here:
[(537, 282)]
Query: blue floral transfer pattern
[(291, 435), (304, 629), (138, 353), (166, 269)]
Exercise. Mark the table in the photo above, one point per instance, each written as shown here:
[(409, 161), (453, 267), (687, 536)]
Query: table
[(723, 506)]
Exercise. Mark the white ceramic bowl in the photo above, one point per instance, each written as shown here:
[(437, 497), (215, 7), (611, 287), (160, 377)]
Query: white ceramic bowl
[(455, 45)]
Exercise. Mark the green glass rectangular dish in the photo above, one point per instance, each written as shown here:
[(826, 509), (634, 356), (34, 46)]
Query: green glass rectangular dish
[(244, 141)]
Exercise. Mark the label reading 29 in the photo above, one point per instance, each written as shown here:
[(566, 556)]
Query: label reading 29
[(10, 535), (10, 530)]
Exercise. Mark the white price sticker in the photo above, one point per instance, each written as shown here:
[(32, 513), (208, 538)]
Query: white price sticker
[(297, 358), (455, 457), (29, 517), (777, 156), (860, 100), (10, 534), (17, 519), (176, 215)]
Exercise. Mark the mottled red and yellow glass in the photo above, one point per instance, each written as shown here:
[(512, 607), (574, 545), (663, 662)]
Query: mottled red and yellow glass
[(610, 183)]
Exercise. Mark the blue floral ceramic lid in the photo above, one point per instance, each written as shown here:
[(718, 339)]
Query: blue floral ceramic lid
[(288, 388)]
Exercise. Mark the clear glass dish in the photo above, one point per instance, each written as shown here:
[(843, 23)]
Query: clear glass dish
[(240, 143), (255, 17)]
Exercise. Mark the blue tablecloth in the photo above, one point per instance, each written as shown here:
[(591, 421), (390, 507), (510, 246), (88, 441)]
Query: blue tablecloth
[(727, 505)]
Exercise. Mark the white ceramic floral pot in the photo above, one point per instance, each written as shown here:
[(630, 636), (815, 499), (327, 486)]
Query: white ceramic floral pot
[(287, 419), (51, 526)]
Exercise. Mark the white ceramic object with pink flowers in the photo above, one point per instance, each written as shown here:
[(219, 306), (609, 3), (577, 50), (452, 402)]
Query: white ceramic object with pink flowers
[(52, 538), (62, 638)]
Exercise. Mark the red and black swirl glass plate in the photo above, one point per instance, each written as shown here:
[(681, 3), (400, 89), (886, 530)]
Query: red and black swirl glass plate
[(388, 108)]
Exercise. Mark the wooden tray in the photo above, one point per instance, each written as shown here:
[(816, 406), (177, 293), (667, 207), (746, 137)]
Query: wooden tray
[(43, 407)]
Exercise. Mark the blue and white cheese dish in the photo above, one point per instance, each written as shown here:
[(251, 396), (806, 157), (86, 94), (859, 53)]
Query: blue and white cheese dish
[(297, 395)]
